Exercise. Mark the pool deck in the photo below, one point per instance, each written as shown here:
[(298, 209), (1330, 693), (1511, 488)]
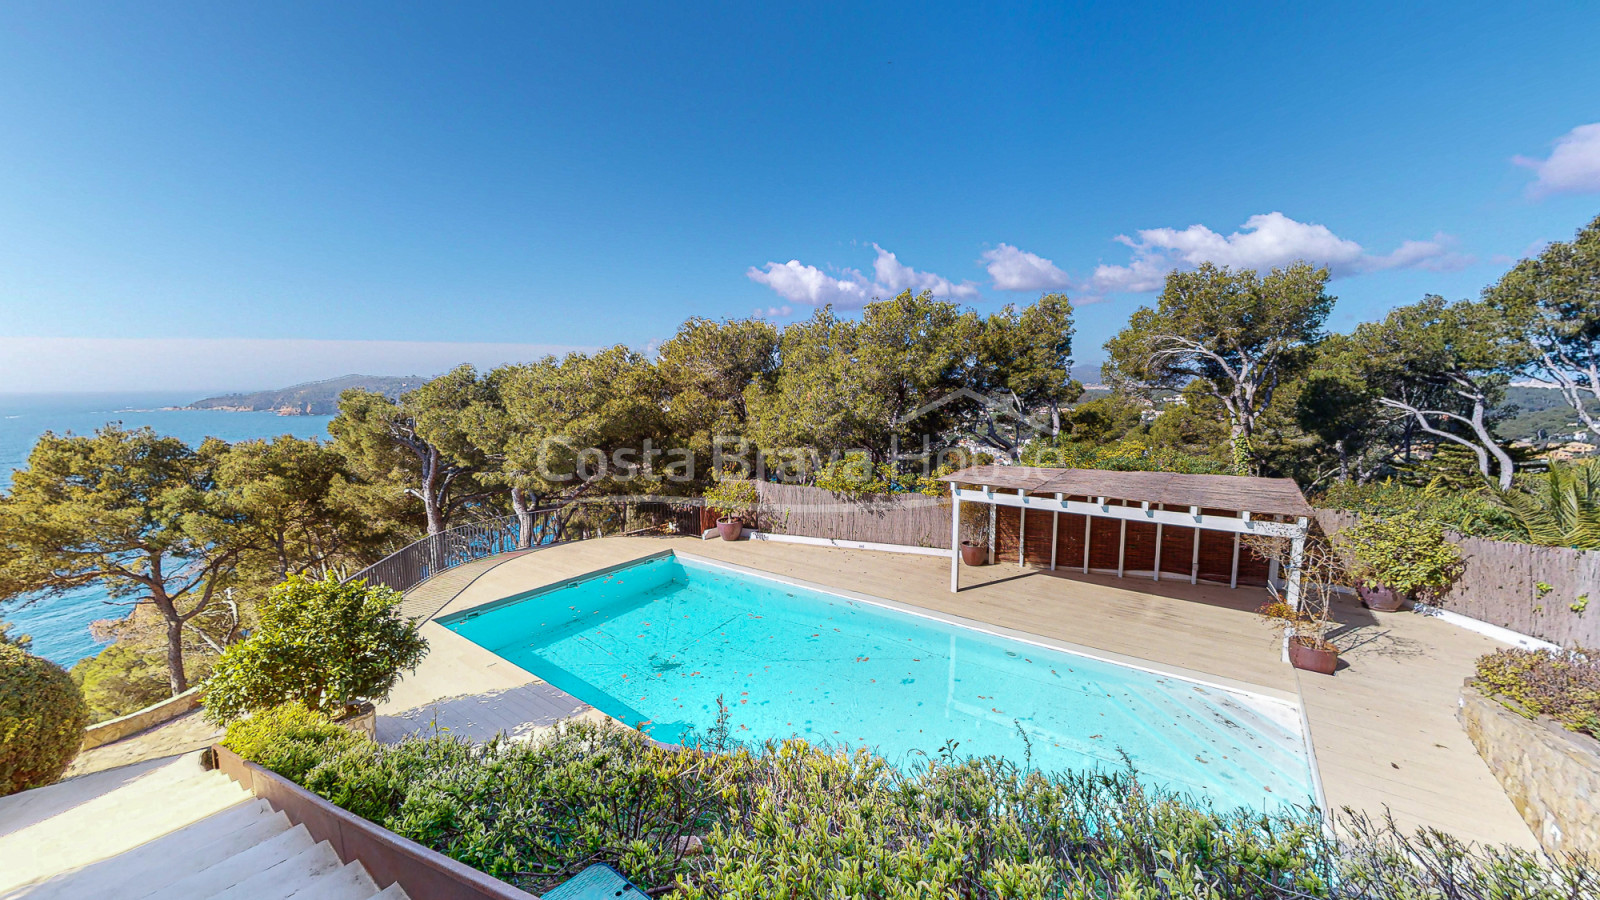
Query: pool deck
[(1383, 727)]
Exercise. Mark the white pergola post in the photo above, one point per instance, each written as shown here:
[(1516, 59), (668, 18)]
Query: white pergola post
[(1088, 523), (1022, 529), (1122, 544), (992, 507), (1158, 545), (955, 539), (1194, 556), (1233, 579), (1297, 556), (1055, 531)]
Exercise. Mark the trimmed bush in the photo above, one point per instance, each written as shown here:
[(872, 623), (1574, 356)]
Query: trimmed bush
[(328, 645), (42, 717), (289, 739), (1561, 684)]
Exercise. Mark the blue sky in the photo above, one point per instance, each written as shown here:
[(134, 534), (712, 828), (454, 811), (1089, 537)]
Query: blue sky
[(261, 187)]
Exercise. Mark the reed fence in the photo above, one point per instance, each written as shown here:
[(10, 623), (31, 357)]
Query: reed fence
[(1540, 591), (915, 520)]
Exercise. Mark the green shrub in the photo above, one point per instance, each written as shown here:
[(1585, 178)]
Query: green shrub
[(733, 497), (1127, 455), (1561, 684), (1404, 552), (289, 739), (1467, 511), (122, 679), (42, 717), (796, 821), (329, 645)]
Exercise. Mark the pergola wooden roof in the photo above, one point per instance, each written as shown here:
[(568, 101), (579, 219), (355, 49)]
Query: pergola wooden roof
[(1261, 506), (1262, 496)]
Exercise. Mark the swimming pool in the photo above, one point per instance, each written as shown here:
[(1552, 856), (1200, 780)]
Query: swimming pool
[(657, 642)]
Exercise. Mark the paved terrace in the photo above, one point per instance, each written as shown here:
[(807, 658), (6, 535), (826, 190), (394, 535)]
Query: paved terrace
[(1383, 728)]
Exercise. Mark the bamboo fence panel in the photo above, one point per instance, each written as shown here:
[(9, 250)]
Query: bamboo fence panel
[(915, 520), (1501, 585)]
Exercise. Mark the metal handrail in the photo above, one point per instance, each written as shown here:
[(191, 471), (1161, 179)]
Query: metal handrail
[(420, 560)]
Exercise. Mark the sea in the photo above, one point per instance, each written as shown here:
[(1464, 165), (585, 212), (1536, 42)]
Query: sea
[(60, 626)]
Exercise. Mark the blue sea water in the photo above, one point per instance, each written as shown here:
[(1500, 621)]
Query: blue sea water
[(658, 643), (60, 626)]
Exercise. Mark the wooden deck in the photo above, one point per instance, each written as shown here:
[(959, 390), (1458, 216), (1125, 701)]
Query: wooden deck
[(1383, 727)]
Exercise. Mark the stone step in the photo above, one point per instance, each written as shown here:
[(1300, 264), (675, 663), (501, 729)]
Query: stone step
[(169, 832), (237, 868), (113, 824), (168, 858), (287, 878), (348, 883)]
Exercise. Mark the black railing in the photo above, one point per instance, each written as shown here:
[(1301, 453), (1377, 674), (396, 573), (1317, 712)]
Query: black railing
[(415, 563)]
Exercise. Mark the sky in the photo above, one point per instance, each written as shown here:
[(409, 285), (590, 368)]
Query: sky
[(219, 196)]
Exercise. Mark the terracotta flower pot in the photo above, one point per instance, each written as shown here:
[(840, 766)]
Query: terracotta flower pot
[(1380, 598), (1313, 659), (731, 527), (974, 554)]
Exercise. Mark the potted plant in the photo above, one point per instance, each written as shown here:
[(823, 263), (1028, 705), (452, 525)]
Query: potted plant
[(734, 500), (1306, 621), (1398, 558), (336, 647)]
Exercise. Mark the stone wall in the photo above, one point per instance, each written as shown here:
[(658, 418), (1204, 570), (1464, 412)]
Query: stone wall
[(1551, 774), (103, 733)]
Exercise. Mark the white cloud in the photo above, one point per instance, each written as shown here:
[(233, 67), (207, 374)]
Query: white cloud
[(1436, 255), (1018, 270), (809, 284), (799, 283), (893, 276), (230, 364), (1263, 242), (1573, 166)]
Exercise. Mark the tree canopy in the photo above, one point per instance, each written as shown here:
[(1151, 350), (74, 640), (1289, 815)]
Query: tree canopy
[(1552, 301), (133, 510), (1236, 332)]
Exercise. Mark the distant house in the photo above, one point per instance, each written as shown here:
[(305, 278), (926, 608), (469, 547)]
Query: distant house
[(1571, 450)]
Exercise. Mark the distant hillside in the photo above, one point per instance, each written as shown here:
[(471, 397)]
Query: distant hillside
[(1542, 413), (1088, 373), (316, 398)]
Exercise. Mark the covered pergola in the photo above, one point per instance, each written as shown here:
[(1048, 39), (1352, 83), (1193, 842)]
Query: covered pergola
[(1155, 523)]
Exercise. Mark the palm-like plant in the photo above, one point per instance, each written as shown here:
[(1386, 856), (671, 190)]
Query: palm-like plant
[(1563, 512)]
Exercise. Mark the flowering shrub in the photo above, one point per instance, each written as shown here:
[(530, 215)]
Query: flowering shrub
[(1561, 684)]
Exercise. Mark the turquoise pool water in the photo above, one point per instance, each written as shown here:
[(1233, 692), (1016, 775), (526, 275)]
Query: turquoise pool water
[(656, 643)]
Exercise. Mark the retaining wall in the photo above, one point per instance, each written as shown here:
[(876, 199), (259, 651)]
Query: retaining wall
[(102, 733), (1551, 774)]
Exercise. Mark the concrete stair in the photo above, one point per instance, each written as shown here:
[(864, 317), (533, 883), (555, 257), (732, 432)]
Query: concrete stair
[(172, 832)]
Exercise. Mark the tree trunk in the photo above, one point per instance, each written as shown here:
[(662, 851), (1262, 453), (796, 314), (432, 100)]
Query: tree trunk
[(1344, 461), (432, 502), (1501, 458), (519, 505), (177, 679)]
